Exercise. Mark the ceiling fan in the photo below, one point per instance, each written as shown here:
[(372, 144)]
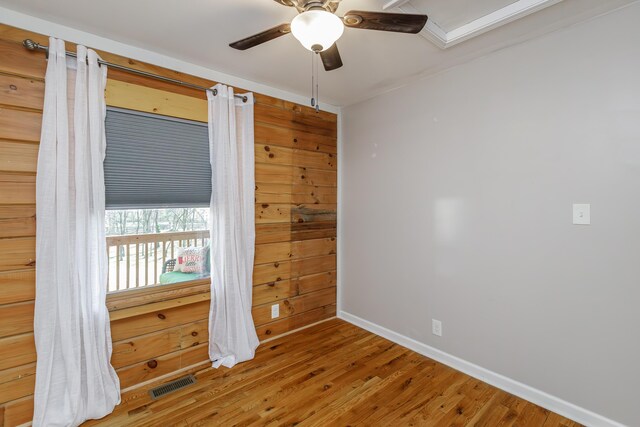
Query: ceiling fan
[(317, 27)]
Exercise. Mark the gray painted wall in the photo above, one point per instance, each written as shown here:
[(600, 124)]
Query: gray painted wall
[(457, 205)]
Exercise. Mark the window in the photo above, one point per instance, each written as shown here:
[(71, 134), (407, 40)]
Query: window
[(158, 186)]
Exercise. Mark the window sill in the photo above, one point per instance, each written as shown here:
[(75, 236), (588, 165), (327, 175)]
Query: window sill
[(151, 294)]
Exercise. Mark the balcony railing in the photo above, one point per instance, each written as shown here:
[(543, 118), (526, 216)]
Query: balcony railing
[(137, 260)]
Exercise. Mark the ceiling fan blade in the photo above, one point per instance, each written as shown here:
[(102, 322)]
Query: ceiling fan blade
[(263, 37), (396, 22), (331, 58)]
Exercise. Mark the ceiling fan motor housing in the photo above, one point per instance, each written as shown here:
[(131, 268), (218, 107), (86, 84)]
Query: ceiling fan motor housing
[(304, 5), (314, 5)]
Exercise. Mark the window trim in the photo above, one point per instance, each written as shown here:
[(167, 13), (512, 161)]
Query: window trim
[(134, 297)]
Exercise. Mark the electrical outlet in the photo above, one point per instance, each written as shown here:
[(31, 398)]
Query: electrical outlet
[(275, 311), (581, 213), (436, 327)]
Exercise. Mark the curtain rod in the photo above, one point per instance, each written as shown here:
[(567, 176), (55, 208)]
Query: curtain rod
[(31, 45)]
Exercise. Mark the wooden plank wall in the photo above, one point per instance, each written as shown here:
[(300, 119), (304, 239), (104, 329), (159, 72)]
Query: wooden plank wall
[(163, 330)]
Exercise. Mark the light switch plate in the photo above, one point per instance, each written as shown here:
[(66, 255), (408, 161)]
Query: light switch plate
[(581, 213), (275, 311)]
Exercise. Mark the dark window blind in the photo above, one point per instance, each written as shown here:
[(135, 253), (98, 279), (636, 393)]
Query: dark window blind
[(155, 161)]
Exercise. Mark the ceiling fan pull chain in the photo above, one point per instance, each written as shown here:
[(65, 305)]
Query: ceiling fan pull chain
[(313, 99), (317, 84)]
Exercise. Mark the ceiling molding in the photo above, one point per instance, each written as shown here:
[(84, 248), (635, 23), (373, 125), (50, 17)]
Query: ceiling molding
[(496, 19), (444, 39), (394, 3), (435, 33)]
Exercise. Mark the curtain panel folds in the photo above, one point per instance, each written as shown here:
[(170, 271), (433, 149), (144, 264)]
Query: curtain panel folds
[(74, 378), (232, 334)]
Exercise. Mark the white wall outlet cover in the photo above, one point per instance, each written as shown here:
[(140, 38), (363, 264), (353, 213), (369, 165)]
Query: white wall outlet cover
[(275, 311), (436, 327), (581, 213)]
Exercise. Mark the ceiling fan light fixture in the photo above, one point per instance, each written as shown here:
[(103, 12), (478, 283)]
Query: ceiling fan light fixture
[(317, 30)]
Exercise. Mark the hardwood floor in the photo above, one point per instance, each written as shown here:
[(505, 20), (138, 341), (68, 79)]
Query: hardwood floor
[(333, 374)]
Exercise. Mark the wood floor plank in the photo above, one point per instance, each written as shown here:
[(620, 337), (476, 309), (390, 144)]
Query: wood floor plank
[(332, 373)]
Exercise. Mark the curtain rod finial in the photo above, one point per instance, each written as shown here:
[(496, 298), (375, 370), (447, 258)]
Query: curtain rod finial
[(30, 44)]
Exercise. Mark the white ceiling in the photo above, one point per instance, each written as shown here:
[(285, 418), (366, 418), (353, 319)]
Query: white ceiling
[(199, 31)]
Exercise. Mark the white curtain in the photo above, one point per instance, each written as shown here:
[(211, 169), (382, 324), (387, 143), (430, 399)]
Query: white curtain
[(74, 378), (232, 334)]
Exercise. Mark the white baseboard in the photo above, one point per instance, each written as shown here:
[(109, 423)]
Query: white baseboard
[(540, 398)]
